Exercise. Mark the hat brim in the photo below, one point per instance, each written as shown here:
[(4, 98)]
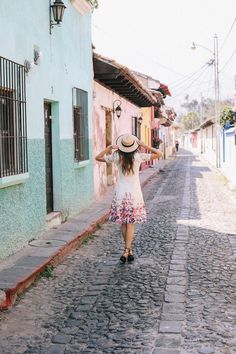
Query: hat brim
[(123, 148)]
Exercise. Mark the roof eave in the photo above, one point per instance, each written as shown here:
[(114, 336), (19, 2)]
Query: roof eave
[(122, 81)]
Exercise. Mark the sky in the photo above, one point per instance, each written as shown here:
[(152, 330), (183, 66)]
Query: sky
[(155, 37)]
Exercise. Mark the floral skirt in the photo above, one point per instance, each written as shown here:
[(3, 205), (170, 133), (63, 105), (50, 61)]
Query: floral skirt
[(125, 211)]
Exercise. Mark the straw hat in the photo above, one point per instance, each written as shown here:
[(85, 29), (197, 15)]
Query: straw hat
[(127, 143)]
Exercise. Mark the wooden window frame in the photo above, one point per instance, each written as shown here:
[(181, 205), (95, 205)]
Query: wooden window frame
[(80, 125)]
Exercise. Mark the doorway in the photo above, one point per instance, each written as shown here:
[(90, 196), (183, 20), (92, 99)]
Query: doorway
[(109, 142), (48, 156)]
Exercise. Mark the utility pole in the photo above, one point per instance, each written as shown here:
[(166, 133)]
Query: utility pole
[(201, 121), (235, 111), (215, 62), (217, 100)]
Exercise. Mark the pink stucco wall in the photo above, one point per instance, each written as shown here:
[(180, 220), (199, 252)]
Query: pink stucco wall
[(103, 100)]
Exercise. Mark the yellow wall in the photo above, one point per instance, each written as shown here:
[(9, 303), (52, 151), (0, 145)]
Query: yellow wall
[(146, 125)]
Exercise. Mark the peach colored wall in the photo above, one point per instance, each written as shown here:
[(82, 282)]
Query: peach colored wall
[(103, 100), (146, 131), (146, 125), (167, 134)]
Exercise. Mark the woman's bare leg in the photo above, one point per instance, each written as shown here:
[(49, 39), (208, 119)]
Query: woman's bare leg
[(129, 235), (123, 229)]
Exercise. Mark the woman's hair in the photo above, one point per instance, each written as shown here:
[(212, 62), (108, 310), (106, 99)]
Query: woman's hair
[(126, 159)]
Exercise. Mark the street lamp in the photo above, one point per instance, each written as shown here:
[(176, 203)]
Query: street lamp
[(57, 10), (116, 109), (215, 62), (140, 119)]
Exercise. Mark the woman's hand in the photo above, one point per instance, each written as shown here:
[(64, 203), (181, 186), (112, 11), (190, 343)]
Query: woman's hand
[(109, 148), (141, 144)]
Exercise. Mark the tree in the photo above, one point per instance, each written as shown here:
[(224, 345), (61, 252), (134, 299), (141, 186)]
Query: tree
[(190, 120), (191, 106), (227, 116), (197, 112)]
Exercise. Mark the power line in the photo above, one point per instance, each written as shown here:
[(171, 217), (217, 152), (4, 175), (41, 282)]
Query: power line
[(202, 82), (191, 84), (228, 34), (228, 60), (210, 81), (187, 77), (193, 79)]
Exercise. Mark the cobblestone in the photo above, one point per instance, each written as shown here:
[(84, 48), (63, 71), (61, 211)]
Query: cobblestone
[(177, 297)]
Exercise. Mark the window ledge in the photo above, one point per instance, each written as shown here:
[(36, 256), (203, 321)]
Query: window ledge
[(81, 164), (13, 180)]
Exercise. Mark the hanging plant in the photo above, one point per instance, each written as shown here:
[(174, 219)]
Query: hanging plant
[(94, 3), (227, 117), (156, 142)]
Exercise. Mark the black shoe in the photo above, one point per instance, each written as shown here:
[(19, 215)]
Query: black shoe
[(125, 255), (123, 259), (130, 257)]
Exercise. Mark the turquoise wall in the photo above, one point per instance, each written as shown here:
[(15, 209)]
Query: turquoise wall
[(77, 183), (22, 207), (66, 62)]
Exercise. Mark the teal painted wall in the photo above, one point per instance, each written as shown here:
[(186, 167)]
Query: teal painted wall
[(66, 62), (77, 184), (22, 207)]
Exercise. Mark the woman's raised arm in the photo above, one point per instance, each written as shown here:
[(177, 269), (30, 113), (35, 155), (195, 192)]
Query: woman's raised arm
[(156, 154), (107, 150)]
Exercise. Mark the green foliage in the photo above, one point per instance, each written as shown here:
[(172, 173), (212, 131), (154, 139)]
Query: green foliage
[(48, 271), (94, 3), (190, 121), (190, 106), (204, 109), (88, 238), (227, 116)]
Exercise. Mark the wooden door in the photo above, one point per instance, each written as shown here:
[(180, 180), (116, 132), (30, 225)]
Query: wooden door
[(48, 156), (109, 142)]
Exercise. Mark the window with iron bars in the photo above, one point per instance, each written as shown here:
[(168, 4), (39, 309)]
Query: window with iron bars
[(136, 127), (80, 117), (13, 132)]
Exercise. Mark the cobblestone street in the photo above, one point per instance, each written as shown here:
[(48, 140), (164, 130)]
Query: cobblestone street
[(178, 297)]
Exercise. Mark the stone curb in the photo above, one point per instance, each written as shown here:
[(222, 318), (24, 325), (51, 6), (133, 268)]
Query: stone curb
[(23, 283), (10, 293)]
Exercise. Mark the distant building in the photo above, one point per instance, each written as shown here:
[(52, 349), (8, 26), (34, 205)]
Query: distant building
[(115, 86)]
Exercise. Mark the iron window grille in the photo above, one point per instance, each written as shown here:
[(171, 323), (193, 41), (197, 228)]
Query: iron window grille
[(13, 132), (80, 120), (136, 127)]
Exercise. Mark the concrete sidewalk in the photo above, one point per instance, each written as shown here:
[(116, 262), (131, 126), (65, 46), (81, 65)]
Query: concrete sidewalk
[(20, 270)]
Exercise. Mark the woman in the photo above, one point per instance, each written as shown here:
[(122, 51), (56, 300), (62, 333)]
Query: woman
[(127, 207)]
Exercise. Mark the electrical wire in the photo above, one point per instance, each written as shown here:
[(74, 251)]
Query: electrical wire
[(228, 34), (187, 77), (209, 81), (227, 62), (192, 83), (192, 80)]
